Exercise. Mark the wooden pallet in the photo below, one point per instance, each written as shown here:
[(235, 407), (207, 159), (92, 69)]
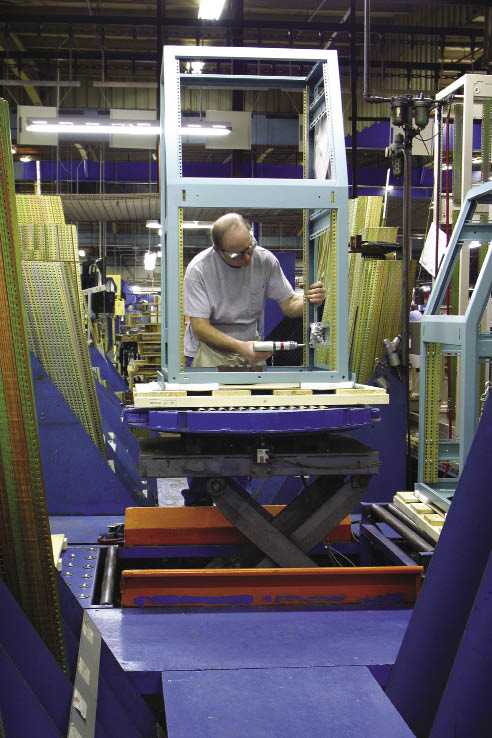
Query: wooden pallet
[(58, 544), (427, 516), (246, 396)]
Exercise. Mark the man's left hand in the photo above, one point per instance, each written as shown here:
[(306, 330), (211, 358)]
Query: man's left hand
[(316, 293)]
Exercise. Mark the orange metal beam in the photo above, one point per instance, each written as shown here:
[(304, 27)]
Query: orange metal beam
[(253, 587), (171, 526)]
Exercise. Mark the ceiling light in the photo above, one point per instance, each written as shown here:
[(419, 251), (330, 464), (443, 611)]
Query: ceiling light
[(85, 125), (136, 288), (195, 67), (14, 149), (159, 254), (388, 188), (81, 252), (25, 158), (153, 224), (197, 224), (205, 129), (131, 128), (149, 261), (474, 244), (211, 9)]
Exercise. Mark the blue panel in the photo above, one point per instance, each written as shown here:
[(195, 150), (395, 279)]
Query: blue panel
[(124, 449), (153, 640), (21, 713), (36, 677), (121, 711), (83, 529), (466, 706), (388, 437), (108, 372), (340, 702), (273, 314), (443, 607), (110, 408), (77, 478), (252, 421)]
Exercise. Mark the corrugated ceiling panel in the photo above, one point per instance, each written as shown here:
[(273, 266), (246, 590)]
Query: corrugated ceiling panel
[(94, 208)]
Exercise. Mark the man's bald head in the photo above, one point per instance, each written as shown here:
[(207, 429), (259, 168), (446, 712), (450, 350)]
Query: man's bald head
[(228, 223)]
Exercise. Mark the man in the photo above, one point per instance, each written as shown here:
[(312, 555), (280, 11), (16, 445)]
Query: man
[(225, 290)]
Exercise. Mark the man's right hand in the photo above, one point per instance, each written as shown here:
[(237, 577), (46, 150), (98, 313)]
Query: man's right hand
[(245, 349)]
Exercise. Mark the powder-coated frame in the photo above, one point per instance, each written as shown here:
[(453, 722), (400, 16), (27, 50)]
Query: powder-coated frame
[(319, 198)]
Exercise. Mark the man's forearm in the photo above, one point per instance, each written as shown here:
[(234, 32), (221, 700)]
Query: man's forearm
[(206, 333), (293, 308)]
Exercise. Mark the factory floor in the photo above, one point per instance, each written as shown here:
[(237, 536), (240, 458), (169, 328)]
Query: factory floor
[(284, 672)]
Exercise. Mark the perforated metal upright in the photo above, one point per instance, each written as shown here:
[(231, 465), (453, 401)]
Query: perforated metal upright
[(457, 335), (324, 200)]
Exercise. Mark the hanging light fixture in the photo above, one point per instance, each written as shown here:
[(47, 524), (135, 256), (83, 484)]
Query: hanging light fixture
[(149, 261), (211, 9), (105, 126)]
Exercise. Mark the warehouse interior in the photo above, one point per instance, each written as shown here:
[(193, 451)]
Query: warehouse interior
[(246, 279)]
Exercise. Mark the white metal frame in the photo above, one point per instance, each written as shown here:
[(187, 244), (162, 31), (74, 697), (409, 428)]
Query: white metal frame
[(319, 197)]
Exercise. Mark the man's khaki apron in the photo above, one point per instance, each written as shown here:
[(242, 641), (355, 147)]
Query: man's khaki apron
[(208, 356)]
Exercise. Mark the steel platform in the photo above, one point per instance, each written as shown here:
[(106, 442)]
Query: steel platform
[(148, 642), (279, 702), (247, 420)]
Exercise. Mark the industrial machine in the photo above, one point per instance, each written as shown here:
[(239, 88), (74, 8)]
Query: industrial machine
[(224, 619)]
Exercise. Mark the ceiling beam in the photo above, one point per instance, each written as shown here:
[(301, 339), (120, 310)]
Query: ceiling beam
[(149, 57), (15, 69), (69, 19)]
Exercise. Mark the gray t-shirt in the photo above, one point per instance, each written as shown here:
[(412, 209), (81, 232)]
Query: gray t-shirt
[(232, 298)]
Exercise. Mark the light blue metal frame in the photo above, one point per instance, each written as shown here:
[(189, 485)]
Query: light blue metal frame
[(458, 335), (320, 197)]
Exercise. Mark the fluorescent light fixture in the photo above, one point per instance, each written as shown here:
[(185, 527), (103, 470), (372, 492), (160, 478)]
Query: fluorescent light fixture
[(474, 244), (135, 288), (196, 224), (389, 188), (205, 129), (85, 125), (25, 158), (211, 9), (81, 252), (149, 261), (477, 160), (131, 128), (195, 67), (153, 224)]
